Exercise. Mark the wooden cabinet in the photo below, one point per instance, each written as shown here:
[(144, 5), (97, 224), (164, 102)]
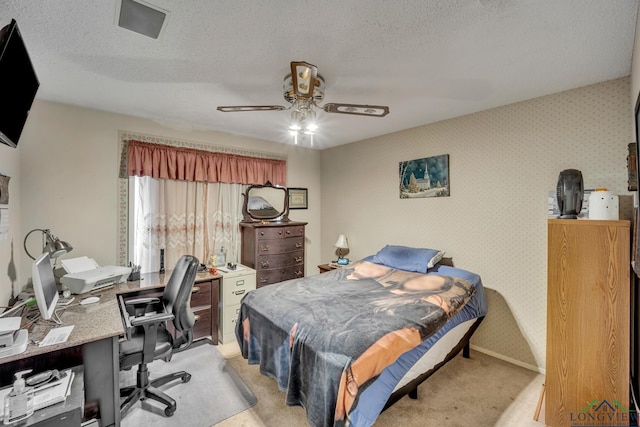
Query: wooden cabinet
[(275, 250), (234, 286), (588, 309), (204, 303)]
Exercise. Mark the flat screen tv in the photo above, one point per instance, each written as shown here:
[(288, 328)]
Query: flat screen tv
[(19, 83)]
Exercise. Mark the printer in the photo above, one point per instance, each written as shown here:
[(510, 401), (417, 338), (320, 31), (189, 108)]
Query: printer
[(85, 275)]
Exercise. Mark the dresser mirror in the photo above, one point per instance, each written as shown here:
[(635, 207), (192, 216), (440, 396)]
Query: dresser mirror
[(266, 202)]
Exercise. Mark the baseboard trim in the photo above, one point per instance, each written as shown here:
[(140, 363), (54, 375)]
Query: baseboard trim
[(508, 359)]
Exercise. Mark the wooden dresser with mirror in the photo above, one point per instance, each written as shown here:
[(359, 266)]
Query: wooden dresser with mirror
[(272, 245)]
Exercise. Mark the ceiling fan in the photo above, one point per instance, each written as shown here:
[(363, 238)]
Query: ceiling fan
[(304, 89)]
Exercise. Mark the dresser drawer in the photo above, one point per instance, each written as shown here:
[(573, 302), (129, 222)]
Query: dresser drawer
[(266, 262), (201, 295), (278, 246), (270, 233), (280, 232), (267, 277), (294, 231), (292, 272)]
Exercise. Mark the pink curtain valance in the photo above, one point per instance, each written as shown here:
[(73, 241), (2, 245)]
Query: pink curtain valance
[(186, 164)]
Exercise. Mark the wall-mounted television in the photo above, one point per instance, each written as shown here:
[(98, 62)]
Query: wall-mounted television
[(19, 82)]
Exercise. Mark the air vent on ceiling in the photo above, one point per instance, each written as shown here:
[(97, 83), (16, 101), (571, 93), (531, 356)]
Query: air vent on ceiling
[(141, 17)]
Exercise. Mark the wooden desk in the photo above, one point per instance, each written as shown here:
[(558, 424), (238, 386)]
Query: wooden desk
[(94, 341)]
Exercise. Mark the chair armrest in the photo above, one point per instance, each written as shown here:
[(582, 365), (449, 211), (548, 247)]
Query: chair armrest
[(148, 319), (137, 307), (145, 301)]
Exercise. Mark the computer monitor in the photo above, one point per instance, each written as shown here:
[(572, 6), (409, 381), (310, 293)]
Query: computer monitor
[(44, 285)]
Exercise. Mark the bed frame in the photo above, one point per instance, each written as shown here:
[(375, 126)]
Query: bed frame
[(411, 388)]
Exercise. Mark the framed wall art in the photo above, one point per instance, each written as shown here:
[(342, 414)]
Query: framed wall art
[(4, 189), (426, 177), (298, 198)]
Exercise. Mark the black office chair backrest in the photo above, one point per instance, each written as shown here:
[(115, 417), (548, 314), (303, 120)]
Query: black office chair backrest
[(177, 292)]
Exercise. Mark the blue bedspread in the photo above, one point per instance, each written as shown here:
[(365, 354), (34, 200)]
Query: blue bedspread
[(326, 339)]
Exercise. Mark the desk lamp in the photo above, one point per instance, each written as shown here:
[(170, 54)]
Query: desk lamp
[(50, 243), (342, 244)]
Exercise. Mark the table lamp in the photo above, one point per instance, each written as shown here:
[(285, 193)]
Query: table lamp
[(50, 243), (342, 244)]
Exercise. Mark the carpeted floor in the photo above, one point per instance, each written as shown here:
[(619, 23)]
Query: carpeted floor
[(480, 391), (214, 393)]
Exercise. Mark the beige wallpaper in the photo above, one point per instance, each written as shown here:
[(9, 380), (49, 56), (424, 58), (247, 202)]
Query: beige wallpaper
[(502, 164)]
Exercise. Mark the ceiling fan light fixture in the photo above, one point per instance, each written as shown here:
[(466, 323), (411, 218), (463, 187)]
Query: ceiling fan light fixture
[(303, 77), (235, 108), (303, 88), (360, 110)]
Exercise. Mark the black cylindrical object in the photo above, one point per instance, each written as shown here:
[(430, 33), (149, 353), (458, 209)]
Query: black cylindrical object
[(570, 192)]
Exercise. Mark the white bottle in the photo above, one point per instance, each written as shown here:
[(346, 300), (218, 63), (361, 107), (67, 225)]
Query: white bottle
[(222, 257), (18, 404)]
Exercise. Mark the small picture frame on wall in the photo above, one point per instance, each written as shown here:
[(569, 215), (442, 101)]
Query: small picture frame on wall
[(4, 189), (298, 198)]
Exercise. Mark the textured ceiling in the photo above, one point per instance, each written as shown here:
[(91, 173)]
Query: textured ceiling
[(426, 60)]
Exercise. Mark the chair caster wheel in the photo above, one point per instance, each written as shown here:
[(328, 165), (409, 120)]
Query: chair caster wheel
[(186, 378), (169, 412)]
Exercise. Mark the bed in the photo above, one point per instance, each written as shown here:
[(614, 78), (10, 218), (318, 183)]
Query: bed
[(348, 343)]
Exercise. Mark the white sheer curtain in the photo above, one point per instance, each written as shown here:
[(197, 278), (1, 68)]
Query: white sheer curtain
[(182, 217)]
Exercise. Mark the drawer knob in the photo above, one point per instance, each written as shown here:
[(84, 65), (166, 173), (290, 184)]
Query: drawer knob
[(298, 245), (264, 248), (298, 259), (196, 317), (239, 292), (299, 274), (264, 264), (195, 289), (263, 280), (288, 231)]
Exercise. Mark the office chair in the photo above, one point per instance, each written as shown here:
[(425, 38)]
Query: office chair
[(148, 338)]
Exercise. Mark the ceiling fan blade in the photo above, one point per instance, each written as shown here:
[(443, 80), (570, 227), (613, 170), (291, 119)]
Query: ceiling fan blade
[(303, 75), (236, 108), (359, 110)]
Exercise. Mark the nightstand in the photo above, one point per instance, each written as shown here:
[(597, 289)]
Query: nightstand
[(326, 267), (234, 285)]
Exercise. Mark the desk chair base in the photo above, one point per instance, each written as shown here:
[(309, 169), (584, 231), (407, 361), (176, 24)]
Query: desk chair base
[(144, 389)]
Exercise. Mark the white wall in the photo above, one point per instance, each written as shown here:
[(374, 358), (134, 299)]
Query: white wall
[(503, 162), (11, 244), (69, 163)]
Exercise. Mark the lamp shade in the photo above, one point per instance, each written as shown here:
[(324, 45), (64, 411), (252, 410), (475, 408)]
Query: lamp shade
[(342, 242), (56, 247), (50, 243)]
